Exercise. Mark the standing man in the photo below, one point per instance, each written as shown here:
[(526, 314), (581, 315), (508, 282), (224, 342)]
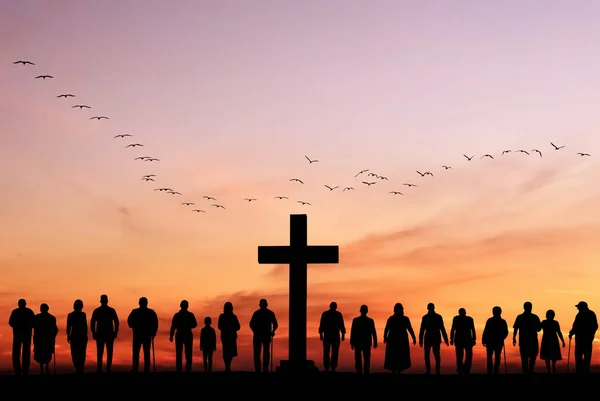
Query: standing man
[(144, 323), (263, 325), (494, 334), (330, 328), (462, 336), (104, 326), (584, 329), (432, 325), (182, 325), (362, 336), (527, 324), (21, 320)]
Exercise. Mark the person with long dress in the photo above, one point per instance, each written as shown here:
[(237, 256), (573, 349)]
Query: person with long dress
[(229, 325), (44, 336), (395, 336), (550, 349)]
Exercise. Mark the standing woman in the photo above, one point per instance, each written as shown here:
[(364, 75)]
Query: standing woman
[(229, 325), (44, 336), (395, 336), (550, 349), (77, 335)]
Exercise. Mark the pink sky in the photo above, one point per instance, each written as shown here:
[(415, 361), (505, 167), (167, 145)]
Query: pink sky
[(231, 95)]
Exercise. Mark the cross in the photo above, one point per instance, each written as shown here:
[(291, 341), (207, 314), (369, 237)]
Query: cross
[(298, 255)]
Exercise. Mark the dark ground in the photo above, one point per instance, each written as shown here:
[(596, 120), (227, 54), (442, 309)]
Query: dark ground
[(273, 386)]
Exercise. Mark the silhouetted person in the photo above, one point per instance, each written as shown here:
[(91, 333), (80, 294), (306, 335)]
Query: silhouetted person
[(21, 320), (182, 325), (77, 335), (331, 331), (263, 324), (229, 325), (527, 325), (104, 326), (144, 323), (463, 337), (44, 338), (584, 329), (208, 344), (550, 349), (395, 336), (362, 336), (430, 336), (494, 334)]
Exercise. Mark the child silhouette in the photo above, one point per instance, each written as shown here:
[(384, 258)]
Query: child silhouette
[(208, 343)]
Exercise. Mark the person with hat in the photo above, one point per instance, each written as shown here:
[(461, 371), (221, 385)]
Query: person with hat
[(263, 324), (584, 329)]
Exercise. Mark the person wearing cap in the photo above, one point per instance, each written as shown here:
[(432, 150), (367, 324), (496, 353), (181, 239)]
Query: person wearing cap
[(584, 329), (430, 335), (263, 325)]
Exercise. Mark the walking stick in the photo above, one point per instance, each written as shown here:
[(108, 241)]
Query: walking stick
[(504, 352), (272, 347), (153, 357), (569, 357)]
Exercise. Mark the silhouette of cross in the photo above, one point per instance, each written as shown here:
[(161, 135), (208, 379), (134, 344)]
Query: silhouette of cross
[(298, 255)]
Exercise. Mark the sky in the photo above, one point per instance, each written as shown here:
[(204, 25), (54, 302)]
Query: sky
[(231, 96)]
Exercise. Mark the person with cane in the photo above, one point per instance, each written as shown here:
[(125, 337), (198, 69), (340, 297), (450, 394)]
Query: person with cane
[(263, 325), (493, 337), (584, 329), (144, 323)]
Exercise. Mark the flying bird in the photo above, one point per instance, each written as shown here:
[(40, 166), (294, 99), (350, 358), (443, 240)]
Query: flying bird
[(396, 193), (219, 206), (198, 211), (142, 158), (382, 177), (24, 62), (44, 76), (446, 167), (468, 158), (149, 175), (583, 154), (372, 175), (250, 199), (281, 197), (295, 179), (304, 203), (174, 192), (361, 172), (310, 160), (369, 183), (506, 151), (122, 135), (99, 118), (163, 189), (209, 198), (425, 173), (66, 95), (81, 106), (133, 145), (348, 189), (537, 151), (490, 156), (331, 188), (147, 178), (523, 151), (410, 185), (556, 147), (188, 203), (152, 159)]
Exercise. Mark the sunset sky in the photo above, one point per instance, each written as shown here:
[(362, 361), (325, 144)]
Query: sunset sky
[(231, 96)]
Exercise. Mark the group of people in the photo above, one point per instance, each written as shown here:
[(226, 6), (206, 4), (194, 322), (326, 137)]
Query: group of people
[(398, 328), (104, 327)]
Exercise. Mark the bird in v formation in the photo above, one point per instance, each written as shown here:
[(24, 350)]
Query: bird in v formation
[(331, 188)]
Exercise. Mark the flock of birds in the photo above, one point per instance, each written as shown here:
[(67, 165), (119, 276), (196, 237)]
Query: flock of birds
[(364, 177)]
